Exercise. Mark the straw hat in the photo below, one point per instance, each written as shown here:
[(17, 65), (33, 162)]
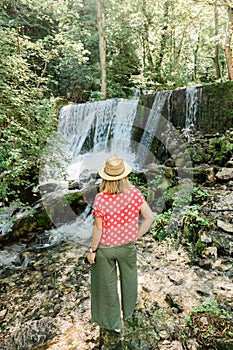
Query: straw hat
[(114, 168)]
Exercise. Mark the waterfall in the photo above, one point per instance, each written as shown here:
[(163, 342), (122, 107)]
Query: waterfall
[(96, 129), (193, 98), (152, 124), (108, 120)]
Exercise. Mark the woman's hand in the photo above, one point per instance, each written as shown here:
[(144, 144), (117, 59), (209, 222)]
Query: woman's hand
[(91, 257)]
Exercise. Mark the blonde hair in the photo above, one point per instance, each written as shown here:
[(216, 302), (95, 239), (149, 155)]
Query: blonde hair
[(115, 186)]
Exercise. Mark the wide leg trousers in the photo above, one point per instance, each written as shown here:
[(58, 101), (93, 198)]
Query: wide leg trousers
[(106, 306)]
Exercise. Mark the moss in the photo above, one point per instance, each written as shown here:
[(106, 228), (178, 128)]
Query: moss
[(71, 197), (199, 247), (216, 107), (199, 157), (220, 150), (43, 220), (188, 234)]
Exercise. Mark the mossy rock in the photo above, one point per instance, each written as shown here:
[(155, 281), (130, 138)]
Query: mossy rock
[(222, 344), (187, 233), (26, 224), (220, 150), (44, 215), (200, 246)]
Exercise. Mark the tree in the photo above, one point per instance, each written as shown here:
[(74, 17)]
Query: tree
[(102, 47), (26, 119), (228, 38), (217, 46)]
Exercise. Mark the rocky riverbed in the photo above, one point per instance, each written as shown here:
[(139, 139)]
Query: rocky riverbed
[(46, 304)]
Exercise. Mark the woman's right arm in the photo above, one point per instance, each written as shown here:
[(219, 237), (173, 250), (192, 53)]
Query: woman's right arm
[(148, 218), (96, 234)]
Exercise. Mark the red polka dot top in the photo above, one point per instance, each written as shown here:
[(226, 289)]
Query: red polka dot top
[(120, 213)]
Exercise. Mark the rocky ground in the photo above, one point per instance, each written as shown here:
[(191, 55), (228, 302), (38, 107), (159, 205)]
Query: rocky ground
[(46, 305)]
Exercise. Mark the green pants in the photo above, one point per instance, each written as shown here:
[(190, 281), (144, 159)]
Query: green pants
[(105, 303)]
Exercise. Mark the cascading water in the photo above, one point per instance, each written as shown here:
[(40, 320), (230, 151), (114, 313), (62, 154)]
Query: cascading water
[(103, 121), (92, 130), (193, 98), (152, 125)]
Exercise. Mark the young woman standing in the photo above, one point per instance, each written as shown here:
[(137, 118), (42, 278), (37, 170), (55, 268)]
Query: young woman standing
[(116, 213)]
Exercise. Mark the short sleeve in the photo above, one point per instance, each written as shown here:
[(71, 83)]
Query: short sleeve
[(140, 197), (97, 212)]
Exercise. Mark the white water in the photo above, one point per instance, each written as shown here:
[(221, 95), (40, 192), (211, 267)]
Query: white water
[(105, 124), (193, 97), (151, 126)]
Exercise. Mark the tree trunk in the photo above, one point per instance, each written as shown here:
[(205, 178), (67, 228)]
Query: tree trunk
[(17, 24), (163, 41), (195, 58), (145, 37), (102, 47), (228, 38), (216, 54)]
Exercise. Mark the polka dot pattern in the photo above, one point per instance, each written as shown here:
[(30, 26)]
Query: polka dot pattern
[(119, 213)]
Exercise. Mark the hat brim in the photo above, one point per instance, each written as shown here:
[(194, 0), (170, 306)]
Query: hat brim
[(105, 176)]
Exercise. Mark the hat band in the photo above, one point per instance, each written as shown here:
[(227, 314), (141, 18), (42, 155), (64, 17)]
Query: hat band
[(113, 175)]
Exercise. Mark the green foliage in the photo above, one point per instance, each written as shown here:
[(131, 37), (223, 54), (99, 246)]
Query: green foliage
[(200, 246), (3, 325), (26, 119), (220, 150), (159, 227), (150, 45), (213, 307), (139, 181), (194, 223), (200, 195)]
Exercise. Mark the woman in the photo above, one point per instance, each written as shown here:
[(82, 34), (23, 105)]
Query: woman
[(116, 213)]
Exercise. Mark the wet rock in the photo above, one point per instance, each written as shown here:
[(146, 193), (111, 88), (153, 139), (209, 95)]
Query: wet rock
[(3, 313), (74, 185), (225, 226), (31, 334), (205, 238), (56, 209), (225, 174), (172, 303), (47, 188), (229, 164)]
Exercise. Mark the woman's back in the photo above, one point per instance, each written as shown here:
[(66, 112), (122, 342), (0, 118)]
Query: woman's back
[(120, 213)]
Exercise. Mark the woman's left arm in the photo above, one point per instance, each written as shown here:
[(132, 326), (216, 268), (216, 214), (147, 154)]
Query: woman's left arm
[(148, 218), (96, 234)]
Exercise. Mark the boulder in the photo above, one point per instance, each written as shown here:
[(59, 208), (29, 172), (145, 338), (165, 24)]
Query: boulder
[(225, 174), (225, 226)]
